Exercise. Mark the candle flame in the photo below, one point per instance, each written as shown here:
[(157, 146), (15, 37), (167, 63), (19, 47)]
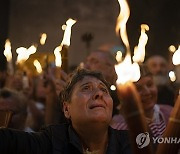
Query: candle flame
[(63, 27), (24, 53), (121, 22), (38, 66), (119, 56), (127, 71), (67, 34), (7, 51), (43, 38), (172, 48), (139, 50), (57, 53), (176, 57), (172, 76)]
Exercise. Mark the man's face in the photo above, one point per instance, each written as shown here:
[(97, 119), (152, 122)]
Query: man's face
[(90, 102), (157, 65), (99, 61)]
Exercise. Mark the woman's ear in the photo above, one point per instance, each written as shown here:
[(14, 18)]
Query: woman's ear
[(66, 110)]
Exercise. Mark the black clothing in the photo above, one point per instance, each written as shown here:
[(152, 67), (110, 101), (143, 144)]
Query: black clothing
[(56, 139)]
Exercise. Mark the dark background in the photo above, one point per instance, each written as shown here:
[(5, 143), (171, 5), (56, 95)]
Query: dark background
[(22, 21)]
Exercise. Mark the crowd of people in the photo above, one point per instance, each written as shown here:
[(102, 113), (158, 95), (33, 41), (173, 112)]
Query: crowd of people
[(78, 112)]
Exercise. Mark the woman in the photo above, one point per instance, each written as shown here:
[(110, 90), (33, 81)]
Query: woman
[(87, 105), (156, 115)]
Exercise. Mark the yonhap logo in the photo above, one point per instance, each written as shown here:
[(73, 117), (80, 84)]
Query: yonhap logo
[(143, 140)]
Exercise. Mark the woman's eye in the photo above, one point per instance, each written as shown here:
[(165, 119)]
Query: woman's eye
[(104, 90), (86, 88), (150, 84)]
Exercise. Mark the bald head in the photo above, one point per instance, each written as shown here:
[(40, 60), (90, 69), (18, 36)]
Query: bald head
[(157, 65), (104, 62)]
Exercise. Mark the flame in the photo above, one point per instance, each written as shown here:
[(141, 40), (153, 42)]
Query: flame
[(24, 53), (7, 51), (172, 48), (121, 22), (63, 27), (176, 57), (127, 71), (43, 38), (119, 56), (172, 76), (67, 34), (57, 53), (38, 66), (139, 51), (113, 87)]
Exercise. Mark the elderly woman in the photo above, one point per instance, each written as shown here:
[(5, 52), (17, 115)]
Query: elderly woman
[(156, 115), (87, 105)]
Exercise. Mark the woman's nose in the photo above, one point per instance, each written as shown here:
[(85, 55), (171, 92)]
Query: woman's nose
[(97, 94), (146, 90)]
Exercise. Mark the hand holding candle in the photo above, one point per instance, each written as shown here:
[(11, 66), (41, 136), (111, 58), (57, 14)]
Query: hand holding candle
[(127, 73), (172, 131)]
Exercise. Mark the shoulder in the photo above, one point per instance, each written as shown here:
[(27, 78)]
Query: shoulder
[(166, 111), (56, 129), (165, 108)]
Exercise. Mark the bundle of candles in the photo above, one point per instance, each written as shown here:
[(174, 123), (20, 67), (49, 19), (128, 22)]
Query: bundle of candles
[(127, 73), (172, 132)]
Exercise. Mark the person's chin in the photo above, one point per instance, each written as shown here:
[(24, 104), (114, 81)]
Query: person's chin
[(148, 106)]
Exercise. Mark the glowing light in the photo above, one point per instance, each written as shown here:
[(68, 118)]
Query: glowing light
[(176, 57), (7, 51), (113, 87), (67, 34), (38, 66), (63, 27), (57, 53), (119, 56), (139, 50), (121, 22), (127, 71), (172, 48), (43, 38), (172, 76), (24, 53)]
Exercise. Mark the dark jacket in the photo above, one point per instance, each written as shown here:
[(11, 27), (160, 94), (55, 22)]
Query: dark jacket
[(56, 139)]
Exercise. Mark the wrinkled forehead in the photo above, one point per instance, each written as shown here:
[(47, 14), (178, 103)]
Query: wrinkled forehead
[(89, 80), (99, 55), (157, 60)]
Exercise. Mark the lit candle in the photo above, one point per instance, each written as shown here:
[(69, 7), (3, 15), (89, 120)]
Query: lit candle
[(8, 54), (127, 73), (58, 61), (38, 66), (23, 55), (172, 131), (66, 43)]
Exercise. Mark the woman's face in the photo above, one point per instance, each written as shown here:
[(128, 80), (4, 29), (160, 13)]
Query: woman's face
[(147, 91), (90, 102)]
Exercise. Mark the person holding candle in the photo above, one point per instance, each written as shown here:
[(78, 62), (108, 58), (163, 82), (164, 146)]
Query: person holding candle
[(87, 105), (156, 115), (158, 66)]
